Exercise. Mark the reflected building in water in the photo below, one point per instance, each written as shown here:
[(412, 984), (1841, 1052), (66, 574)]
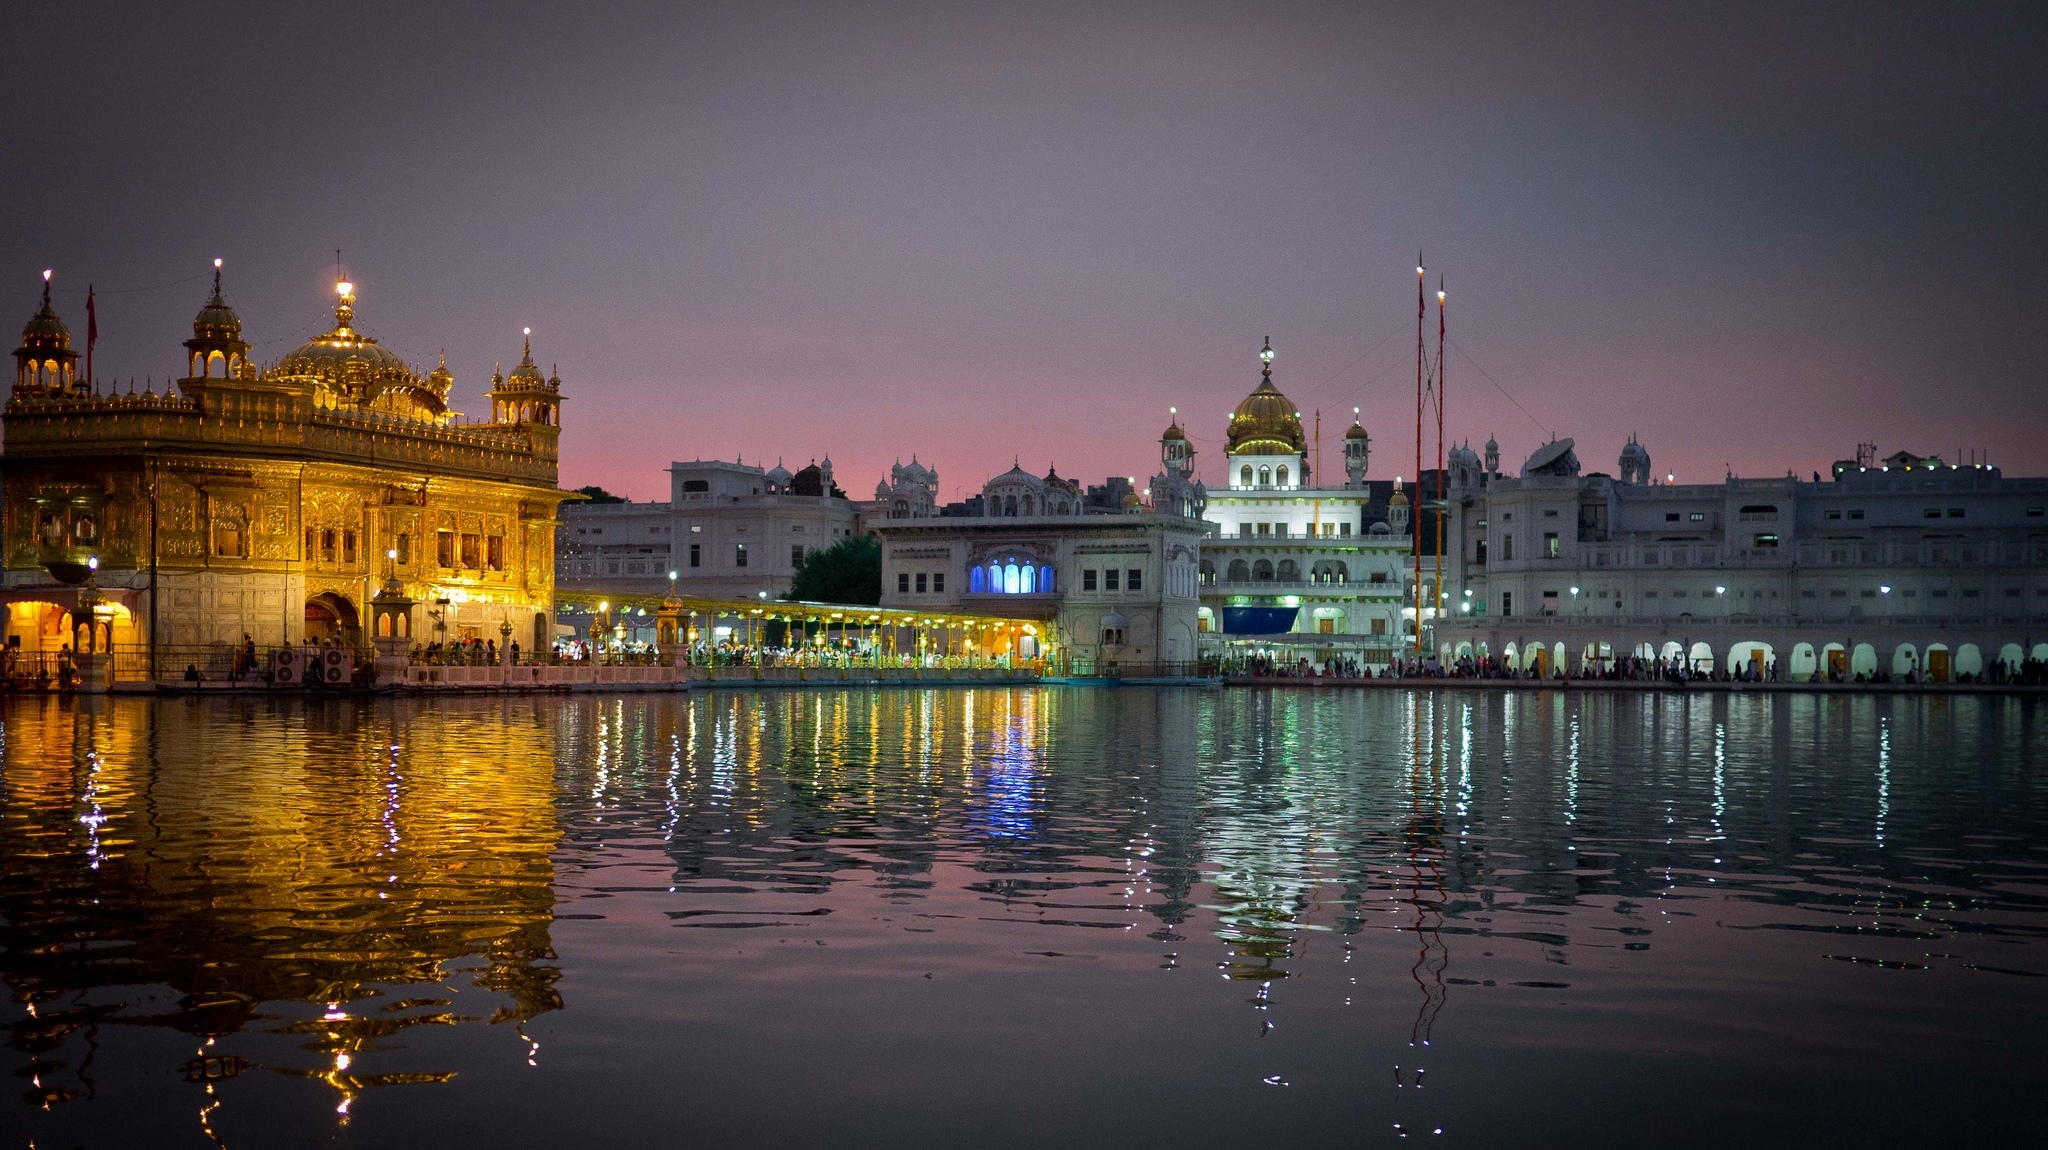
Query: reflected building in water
[(356, 882)]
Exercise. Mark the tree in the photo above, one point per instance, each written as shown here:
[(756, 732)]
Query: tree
[(599, 495), (849, 571)]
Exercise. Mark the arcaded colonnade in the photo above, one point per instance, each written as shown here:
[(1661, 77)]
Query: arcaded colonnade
[(1800, 651)]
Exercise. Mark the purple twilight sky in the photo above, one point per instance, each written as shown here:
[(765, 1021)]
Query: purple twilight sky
[(1753, 234)]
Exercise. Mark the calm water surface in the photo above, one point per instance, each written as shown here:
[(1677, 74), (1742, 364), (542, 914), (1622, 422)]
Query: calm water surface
[(1031, 917)]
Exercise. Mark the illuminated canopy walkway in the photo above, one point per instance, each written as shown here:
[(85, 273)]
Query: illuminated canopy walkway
[(894, 629)]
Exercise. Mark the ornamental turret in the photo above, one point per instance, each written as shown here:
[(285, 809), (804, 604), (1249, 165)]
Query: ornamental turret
[(1357, 451), (45, 367), (216, 349), (1635, 463), (1176, 454), (1397, 510), (524, 396)]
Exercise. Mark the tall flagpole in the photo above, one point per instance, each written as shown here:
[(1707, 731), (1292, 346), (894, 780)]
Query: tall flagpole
[(1415, 518), (1437, 600)]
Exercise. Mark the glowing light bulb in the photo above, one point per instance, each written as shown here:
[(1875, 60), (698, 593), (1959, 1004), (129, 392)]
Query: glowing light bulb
[(216, 263), (1439, 297), (344, 288), (525, 331)]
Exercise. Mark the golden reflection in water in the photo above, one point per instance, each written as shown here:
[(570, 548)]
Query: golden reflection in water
[(298, 855)]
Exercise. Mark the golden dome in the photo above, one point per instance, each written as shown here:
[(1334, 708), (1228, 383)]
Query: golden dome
[(216, 322), (44, 331), (1266, 422), (527, 373), (347, 362)]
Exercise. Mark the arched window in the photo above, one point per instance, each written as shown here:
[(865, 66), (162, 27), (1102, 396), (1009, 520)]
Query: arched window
[(1208, 571), (1045, 580), (1029, 585), (1281, 475), (1010, 506), (1290, 571), (995, 578), (1265, 477), (1240, 571), (1262, 571), (1011, 578), (977, 580), (1027, 505), (1244, 476)]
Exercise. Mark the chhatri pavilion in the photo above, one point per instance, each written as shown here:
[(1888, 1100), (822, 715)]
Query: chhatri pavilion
[(274, 502)]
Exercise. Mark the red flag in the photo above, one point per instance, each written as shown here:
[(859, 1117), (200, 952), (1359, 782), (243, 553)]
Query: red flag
[(92, 331)]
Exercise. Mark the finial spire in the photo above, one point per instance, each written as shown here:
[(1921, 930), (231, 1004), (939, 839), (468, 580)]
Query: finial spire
[(46, 288), (216, 282)]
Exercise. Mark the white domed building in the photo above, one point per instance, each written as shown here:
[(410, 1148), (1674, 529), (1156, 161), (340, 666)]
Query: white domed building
[(1316, 570)]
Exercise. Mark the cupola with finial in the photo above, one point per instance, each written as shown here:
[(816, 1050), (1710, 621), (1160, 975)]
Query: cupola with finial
[(44, 365), (1357, 450), (216, 348), (1175, 452), (525, 396), (1397, 510)]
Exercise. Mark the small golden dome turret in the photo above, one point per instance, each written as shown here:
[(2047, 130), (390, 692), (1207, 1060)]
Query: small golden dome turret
[(1266, 423), (216, 347), (216, 322), (524, 395), (44, 331), (527, 372), (44, 364), (441, 380)]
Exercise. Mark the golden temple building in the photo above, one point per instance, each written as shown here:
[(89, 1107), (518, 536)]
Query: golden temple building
[(274, 502)]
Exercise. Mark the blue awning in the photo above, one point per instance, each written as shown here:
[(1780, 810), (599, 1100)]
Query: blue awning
[(1259, 620)]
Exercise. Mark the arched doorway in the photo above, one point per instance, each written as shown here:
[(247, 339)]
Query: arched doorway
[(1836, 658), (1701, 658), (2010, 657), (1937, 663), (1969, 663), (1752, 656), (331, 618), (1905, 661), (1804, 662)]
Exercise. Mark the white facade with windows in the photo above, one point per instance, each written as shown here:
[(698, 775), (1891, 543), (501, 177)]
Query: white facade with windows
[(1121, 588), (1907, 565), (727, 531)]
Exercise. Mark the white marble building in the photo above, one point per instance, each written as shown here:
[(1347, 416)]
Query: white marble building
[(728, 530), (1320, 567), (1896, 566), (1122, 589)]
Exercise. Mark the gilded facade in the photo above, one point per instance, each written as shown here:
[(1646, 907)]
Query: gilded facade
[(274, 502)]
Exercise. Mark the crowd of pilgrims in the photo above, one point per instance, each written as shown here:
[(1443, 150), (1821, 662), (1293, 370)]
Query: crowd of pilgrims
[(1625, 669)]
